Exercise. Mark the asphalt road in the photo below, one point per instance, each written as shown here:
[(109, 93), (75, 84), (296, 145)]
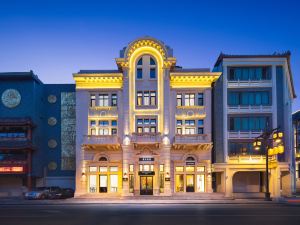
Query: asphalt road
[(158, 214)]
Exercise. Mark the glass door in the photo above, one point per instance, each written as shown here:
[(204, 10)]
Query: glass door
[(179, 183), (190, 183), (146, 185), (103, 184)]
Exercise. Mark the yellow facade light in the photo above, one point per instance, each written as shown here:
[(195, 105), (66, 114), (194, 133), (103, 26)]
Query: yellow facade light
[(280, 149), (257, 145), (270, 151), (275, 150), (277, 137)]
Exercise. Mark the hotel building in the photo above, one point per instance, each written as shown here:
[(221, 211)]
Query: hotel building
[(146, 128)]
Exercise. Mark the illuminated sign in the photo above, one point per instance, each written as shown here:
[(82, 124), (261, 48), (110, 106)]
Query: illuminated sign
[(11, 169), (146, 159)]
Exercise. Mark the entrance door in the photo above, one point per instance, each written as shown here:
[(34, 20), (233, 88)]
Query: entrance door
[(103, 184), (146, 185), (190, 183)]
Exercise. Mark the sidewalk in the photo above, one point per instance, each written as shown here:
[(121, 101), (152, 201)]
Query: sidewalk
[(72, 201)]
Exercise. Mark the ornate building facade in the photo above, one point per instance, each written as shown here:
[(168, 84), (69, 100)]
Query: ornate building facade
[(146, 128)]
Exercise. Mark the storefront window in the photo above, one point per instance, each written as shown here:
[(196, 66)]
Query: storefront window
[(131, 183), (200, 183), (179, 182), (146, 167), (161, 182), (114, 182), (161, 168), (93, 184)]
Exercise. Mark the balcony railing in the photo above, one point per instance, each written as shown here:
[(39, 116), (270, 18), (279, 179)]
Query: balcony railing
[(244, 134), (141, 138), (191, 138), (186, 111), (250, 83), (101, 139), (250, 108), (103, 111)]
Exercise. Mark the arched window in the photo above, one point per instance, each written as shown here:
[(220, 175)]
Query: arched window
[(103, 159), (146, 65), (190, 158)]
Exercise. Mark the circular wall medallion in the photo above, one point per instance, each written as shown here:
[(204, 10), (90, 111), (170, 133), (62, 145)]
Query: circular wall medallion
[(52, 143), (11, 98), (52, 165), (52, 121), (52, 99)]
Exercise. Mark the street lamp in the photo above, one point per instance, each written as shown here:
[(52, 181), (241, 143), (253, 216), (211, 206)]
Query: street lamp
[(272, 148)]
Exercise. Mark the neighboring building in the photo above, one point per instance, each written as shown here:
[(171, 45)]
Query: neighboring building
[(296, 128), (37, 133), (146, 128), (254, 93)]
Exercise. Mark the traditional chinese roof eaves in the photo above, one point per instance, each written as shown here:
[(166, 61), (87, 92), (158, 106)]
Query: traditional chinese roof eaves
[(11, 121), (286, 55), (20, 76), (16, 145)]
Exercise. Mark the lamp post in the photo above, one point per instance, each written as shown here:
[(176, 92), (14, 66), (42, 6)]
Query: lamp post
[(271, 148)]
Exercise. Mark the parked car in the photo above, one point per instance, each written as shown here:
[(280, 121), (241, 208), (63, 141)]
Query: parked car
[(37, 193), (67, 193), (54, 192)]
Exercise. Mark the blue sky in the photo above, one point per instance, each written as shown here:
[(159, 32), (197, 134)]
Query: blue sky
[(57, 38)]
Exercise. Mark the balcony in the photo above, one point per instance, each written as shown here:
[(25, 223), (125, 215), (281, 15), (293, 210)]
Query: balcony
[(101, 140), (192, 139), (188, 111), (250, 109), (146, 138), (243, 134), (249, 83), (247, 159), (111, 111)]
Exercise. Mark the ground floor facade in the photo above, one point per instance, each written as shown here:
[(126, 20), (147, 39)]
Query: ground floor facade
[(144, 170)]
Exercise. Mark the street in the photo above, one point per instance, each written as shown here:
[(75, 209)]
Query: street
[(150, 214)]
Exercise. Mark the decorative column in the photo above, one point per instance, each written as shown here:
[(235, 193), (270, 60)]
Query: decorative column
[(166, 155), (228, 183), (126, 147), (209, 177)]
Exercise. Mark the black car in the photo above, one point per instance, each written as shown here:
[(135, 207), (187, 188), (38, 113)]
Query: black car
[(67, 193), (54, 192)]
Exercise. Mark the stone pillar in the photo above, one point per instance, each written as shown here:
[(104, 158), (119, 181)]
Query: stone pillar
[(81, 176), (166, 154), (228, 183), (126, 147), (209, 178)]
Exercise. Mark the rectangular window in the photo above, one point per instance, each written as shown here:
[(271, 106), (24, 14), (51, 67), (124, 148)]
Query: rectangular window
[(93, 100), (92, 183), (249, 73), (200, 99), (189, 99), (103, 131), (140, 130), (114, 123), (139, 100), (93, 168), (161, 168), (179, 183), (153, 98), (161, 182), (146, 98), (114, 131), (131, 167), (93, 123), (179, 122), (113, 169), (93, 131), (103, 122), (200, 183), (139, 121), (114, 100), (179, 168), (139, 73), (190, 169), (103, 99), (189, 130), (153, 129), (179, 130), (152, 73), (248, 123), (200, 169), (103, 169), (179, 99)]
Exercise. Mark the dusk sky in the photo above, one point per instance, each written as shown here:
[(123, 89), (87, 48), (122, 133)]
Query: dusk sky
[(58, 38)]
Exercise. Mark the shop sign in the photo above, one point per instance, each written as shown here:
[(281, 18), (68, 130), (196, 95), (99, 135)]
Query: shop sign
[(190, 163), (167, 179), (146, 173), (146, 159), (11, 169)]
